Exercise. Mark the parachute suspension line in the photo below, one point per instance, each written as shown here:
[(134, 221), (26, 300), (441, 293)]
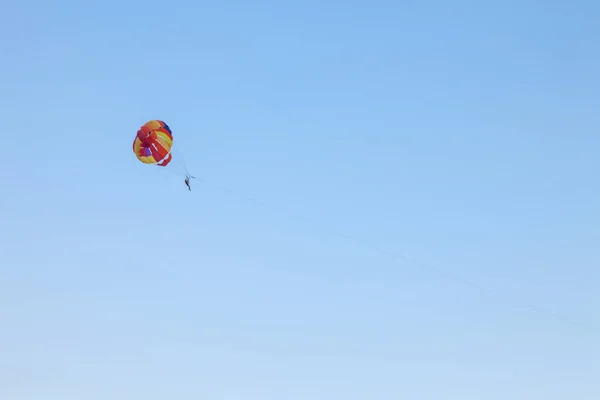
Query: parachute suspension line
[(170, 169), (180, 159), (399, 257)]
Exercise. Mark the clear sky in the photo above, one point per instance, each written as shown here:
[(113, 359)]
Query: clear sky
[(462, 135)]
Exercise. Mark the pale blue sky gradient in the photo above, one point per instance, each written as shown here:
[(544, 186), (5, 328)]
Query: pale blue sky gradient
[(463, 135)]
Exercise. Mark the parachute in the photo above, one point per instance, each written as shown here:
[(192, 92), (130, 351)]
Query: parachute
[(153, 143)]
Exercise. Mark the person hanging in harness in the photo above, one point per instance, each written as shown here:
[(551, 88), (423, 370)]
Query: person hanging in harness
[(187, 181)]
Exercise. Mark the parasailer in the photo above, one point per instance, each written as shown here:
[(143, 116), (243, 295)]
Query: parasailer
[(187, 181)]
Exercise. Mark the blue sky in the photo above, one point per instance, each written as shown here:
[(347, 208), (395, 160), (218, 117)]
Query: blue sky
[(461, 135)]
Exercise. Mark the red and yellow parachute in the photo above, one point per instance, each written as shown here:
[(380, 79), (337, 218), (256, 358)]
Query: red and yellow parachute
[(153, 143)]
